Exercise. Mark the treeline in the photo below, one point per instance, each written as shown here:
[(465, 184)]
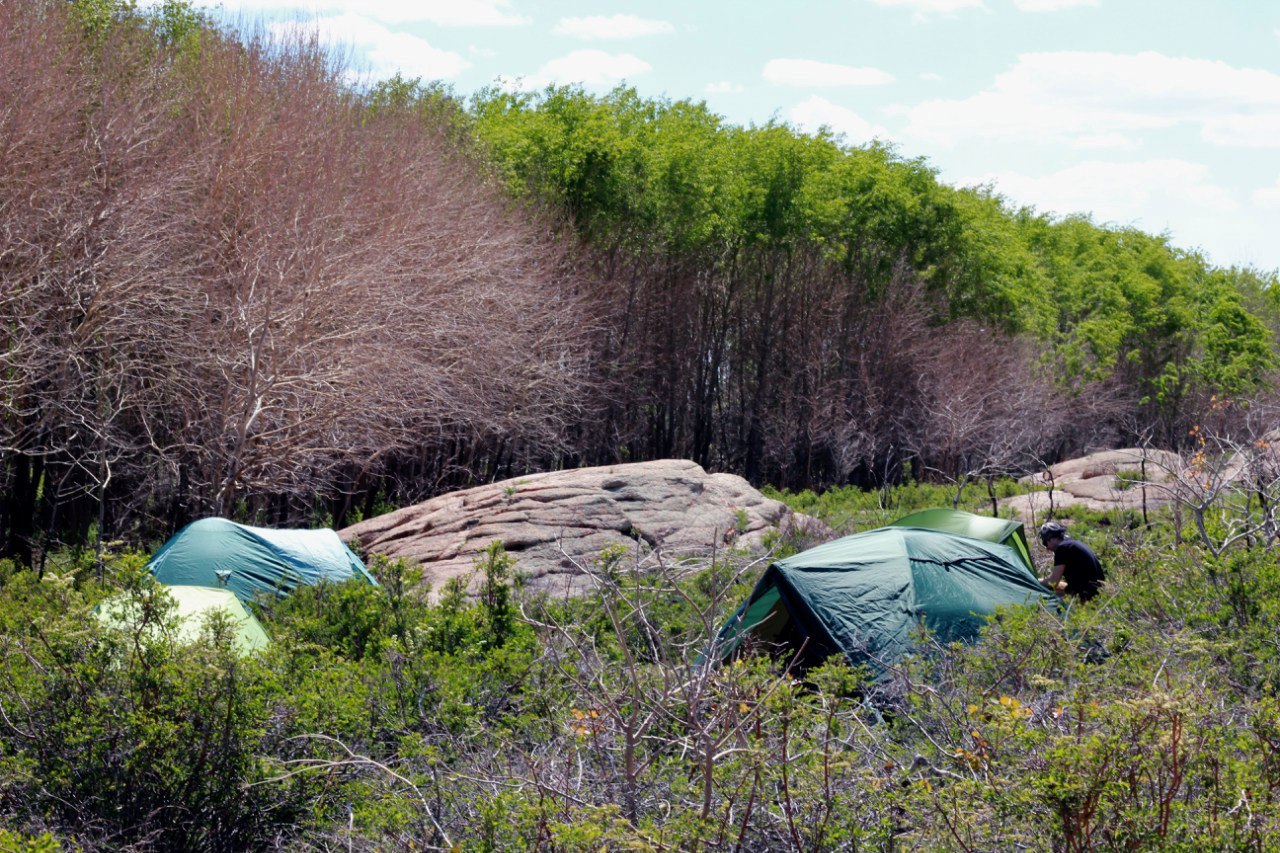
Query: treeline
[(807, 313), (231, 283)]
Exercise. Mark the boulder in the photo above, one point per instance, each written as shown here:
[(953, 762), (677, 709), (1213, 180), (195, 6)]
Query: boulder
[(1091, 482), (559, 522)]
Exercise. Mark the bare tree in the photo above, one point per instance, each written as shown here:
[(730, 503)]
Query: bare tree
[(227, 278), (984, 410), (1229, 482)]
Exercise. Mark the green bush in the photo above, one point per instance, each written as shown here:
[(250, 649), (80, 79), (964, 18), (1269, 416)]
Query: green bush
[(850, 509), (385, 717), (14, 842), (123, 734)]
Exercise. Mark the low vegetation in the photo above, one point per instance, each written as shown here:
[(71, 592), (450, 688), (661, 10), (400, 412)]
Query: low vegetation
[(379, 718)]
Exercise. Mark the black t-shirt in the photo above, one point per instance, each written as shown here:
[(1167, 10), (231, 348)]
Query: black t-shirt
[(1081, 569)]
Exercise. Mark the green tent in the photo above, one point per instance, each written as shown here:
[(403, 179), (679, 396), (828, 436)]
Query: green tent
[(214, 552), (864, 595), (1002, 530), (193, 606)]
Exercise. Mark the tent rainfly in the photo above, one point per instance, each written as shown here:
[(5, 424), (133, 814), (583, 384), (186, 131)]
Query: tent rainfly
[(865, 594), (1003, 530), (215, 552), (193, 605)]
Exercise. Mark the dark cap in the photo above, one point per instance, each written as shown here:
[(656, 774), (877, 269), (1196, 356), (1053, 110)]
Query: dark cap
[(1052, 530)]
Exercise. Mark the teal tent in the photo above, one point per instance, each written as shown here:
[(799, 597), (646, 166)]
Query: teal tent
[(214, 552), (864, 595), (1003, 530), (193, 605)]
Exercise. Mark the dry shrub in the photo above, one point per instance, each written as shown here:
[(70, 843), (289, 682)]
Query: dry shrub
[(225, 277)]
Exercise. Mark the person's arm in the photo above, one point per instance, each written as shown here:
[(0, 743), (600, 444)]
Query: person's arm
[(1055, 577)]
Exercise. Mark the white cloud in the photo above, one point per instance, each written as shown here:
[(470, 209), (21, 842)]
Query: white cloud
[(1268, 197), (723, 87), (1176, 196), (1066, 96), (1051, 5), (1245, 130), (444, 13), (807, 72), (1140, 193), (931, 77), (384, 51), (481, 52), (591, 68), (1114, 141), (615, 27), (923, 9), (817, 112)]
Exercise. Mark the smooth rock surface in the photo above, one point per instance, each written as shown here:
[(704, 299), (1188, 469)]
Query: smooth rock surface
[(557, 523), (1091, 482)]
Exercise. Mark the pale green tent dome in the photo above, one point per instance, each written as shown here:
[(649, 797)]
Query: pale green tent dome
[(193, 607)]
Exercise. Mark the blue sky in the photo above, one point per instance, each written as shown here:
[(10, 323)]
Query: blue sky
[(1161, 115)]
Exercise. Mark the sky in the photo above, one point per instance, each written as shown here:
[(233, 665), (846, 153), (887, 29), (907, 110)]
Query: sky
[(1158, 114)]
